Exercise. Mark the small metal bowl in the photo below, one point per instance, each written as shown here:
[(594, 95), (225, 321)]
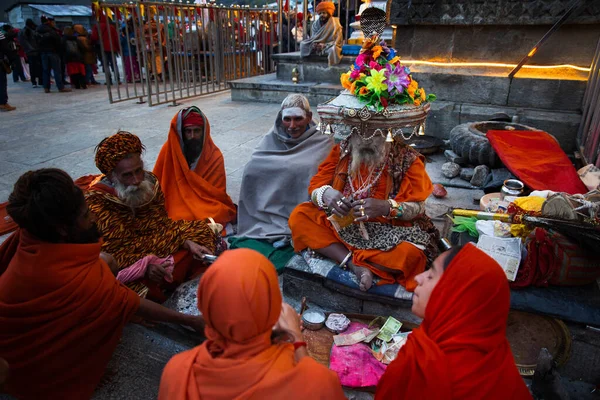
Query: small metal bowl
[(310, 317)]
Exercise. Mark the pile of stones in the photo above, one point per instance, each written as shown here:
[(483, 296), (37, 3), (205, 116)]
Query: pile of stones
[(459, 167)]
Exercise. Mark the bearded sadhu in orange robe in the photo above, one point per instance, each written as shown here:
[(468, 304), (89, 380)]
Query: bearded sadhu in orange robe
[(401, 237), (191, 171)]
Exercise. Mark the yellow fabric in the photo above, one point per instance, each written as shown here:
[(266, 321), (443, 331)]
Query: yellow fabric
[(530, 203)]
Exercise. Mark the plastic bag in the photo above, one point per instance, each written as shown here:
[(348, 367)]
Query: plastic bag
[(465, 224)]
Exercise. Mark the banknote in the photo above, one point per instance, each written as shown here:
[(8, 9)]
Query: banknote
[(354, 337), (389, 329)]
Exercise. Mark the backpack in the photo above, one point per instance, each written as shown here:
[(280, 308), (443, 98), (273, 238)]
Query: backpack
[(72, 49)]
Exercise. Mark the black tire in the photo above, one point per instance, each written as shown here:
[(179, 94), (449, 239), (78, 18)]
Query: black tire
[(469, 141)]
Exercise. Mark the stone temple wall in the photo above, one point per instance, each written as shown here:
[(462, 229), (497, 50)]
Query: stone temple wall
[(494, 30)]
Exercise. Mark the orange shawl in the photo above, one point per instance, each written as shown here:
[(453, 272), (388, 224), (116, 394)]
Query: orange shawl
[(460, 351), (62, 313), (240, 299), (193, 194)]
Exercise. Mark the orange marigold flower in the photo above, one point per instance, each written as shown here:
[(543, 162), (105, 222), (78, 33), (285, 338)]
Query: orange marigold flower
[(353, 88), (344, 80), (423, 96), (376, 52), (394, 60), (363, 91), (417, 102), (412, 88)]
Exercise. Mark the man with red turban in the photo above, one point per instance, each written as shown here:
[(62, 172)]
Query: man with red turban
[(326, 35), (130, 207), (191, 171)]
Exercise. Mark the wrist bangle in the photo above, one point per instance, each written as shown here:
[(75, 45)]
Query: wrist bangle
[(345, 260), (396, 209), (319, 197), (297, 345)]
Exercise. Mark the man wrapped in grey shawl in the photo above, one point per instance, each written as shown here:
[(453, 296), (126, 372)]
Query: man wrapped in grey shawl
[(276, 180), (326, 37)]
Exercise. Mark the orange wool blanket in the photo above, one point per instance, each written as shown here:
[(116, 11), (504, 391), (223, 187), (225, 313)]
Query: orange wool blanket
[(62, 313), (194, 194)]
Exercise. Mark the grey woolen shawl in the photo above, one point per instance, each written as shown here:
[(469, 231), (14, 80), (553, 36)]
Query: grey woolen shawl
[(276, 180)]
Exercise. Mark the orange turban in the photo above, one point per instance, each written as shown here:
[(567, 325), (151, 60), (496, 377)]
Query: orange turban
[(115, 148), (326, 6)]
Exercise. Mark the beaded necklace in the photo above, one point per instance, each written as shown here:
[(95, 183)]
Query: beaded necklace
[(365, 186)]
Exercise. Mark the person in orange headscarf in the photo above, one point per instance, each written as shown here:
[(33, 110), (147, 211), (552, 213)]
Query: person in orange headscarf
[(191, 171), (460, 351), (62, 311), (369, 186), (240, 300)]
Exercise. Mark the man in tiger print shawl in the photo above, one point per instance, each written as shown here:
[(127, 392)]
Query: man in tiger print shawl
[(131, 215)]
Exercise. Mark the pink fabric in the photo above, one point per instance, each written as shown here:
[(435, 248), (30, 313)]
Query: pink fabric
[(355, 365), (138, 269)]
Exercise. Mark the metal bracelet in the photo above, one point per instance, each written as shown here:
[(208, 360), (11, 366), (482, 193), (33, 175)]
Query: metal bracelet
[(320, 194), (345, 260)]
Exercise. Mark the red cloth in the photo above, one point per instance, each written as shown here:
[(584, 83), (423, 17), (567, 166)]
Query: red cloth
[(460, 351), (193, 119), (536, 158), (104, 32), (62, 313), (74, 68), (7, 224)]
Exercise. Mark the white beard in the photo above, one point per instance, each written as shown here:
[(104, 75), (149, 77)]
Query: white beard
[(135, 196), (371, 153)]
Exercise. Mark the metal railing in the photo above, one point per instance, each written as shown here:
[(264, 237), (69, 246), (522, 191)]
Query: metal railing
[(161, 53), (588, 136)]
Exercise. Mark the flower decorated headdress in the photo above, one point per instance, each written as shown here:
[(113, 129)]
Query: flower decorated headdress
[(381, 97), (377, 77)]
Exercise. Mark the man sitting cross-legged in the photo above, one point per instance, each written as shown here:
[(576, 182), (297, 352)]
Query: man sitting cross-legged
[(381, 188), (62, 311), (276, 179), (326, 36), (191, 171), (133, 220)]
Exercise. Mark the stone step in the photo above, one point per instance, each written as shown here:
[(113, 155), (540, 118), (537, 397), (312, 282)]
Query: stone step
[(560, 89), (444, 115), (268, 88)]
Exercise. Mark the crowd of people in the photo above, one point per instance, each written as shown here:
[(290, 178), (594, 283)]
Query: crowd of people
[(93, 254), (44, 55)]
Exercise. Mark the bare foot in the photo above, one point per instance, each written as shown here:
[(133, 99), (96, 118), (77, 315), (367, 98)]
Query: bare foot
[(364, 276)]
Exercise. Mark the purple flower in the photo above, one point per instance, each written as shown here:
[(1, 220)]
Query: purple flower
[(396, 78)]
